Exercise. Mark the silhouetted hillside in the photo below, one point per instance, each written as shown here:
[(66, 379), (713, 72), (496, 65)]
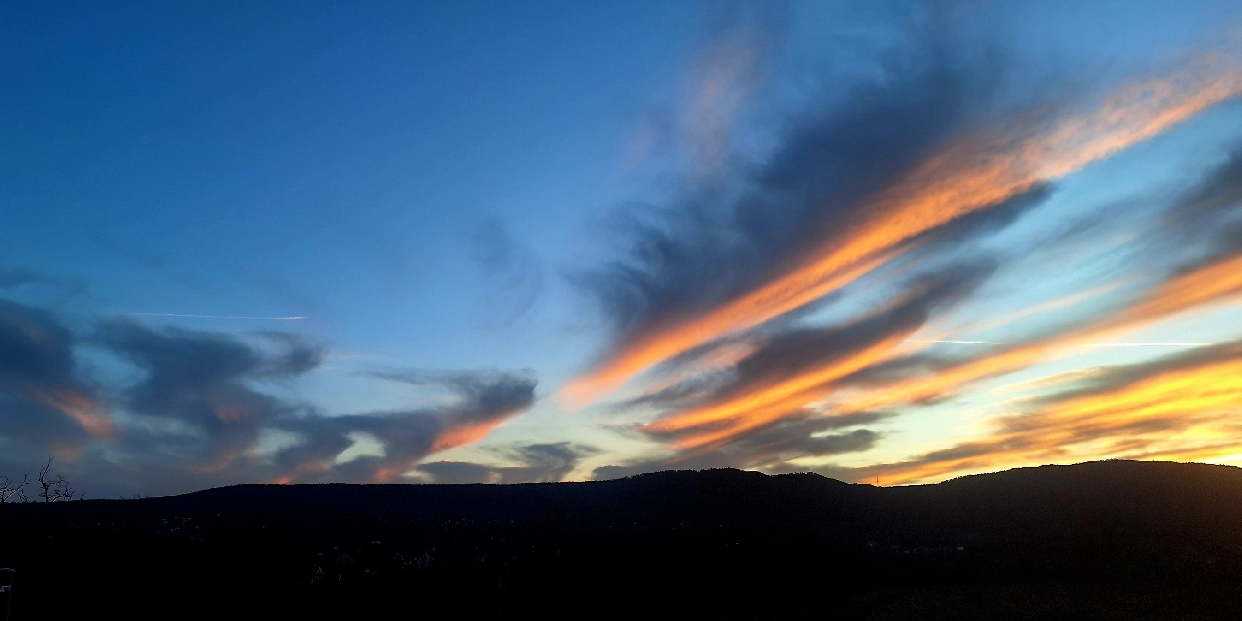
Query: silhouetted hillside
[(1103, 540)]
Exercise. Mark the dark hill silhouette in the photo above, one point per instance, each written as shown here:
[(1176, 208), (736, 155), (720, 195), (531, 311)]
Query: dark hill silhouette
[(1100, 540)]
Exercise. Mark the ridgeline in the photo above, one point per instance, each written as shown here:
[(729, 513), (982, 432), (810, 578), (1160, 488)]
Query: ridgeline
[(1099, 540)]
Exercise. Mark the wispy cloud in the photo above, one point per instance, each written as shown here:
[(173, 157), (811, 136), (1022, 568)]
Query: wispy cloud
[(795, 370), (1178, 407), (978, 170), (894, 227)]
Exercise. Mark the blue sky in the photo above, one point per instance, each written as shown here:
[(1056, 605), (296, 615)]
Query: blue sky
[(370, 241)]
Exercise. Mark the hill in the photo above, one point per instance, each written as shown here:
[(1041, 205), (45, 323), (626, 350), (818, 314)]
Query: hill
[(1100, 540)]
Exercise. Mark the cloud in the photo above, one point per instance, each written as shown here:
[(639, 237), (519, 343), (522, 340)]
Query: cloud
[(43, 404), (769, 446), (1217, 195), (742, 235), (720, 85), (202, 380), (1211, 284), (714, 300), (850, 194), (1211, 280), (197, 413), (800, 366), (485, 400), (11, 277), (540, 463), (512, 274), (1178, 407)]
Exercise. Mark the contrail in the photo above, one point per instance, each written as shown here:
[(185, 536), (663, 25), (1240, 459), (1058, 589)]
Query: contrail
[(292, 318), (1144, 344), (1157, 344)]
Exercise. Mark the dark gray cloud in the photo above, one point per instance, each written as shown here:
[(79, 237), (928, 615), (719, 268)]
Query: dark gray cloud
[(768, 447), (481, 392), (43, 404), (1211, 212), (715, 240), (197, 414), (485, 399), (202, 380), (694, 389), (539, 463), (723, 238), (1200, 226), (1218, 194), (15, 277), (720, 238), (796, 352)]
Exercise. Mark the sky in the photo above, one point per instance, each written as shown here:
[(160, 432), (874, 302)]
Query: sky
[(889, 242)]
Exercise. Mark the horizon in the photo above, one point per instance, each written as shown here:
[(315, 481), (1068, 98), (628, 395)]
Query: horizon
[(692, 471), (493, 243)]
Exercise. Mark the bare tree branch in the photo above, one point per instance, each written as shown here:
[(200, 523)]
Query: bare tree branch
[(10, 488), (55, 488)]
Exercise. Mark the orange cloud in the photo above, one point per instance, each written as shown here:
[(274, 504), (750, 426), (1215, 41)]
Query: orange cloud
[(666, 343), (1183, 411), (92, 416), (1214, 283), (766, 403), (710, 426), (464, 433), (974, 173), (773, 392)]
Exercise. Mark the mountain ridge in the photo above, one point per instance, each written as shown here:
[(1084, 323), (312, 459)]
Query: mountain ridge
[(1148, 538)]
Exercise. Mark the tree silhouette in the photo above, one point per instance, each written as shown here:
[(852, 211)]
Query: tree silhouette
[(12, 490), (55, 488)]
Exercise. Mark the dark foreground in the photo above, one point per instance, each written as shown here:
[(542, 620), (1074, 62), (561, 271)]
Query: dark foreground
[(1105, 540)]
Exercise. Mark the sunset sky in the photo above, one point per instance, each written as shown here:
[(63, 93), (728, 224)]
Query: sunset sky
[(538, 241)]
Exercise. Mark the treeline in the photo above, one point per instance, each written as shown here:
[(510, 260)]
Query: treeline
[(47, 487)]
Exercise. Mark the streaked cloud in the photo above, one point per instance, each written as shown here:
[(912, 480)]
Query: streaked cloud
[(798, 368), (978, 170), (851, 278), (1181, 407)]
